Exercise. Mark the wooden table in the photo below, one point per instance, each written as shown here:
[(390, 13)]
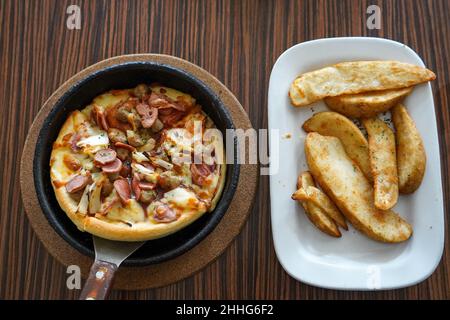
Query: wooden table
[(238, 42)]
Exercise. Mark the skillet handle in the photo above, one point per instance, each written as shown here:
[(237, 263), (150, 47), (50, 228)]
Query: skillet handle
[(99, 282)]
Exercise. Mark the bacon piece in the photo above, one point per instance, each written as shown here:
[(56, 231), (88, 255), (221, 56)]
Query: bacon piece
[(123, 189), (77, 183), (170, 116), (148, 114), (105, 156), (124, 146), (163, 213), (113, 167), (113, 121), (199, 173)]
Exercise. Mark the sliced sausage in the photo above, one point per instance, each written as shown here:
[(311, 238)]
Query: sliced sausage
[(144, 185), (99, 117), (126, 168), (77, 183), (163, 213), (123, 189), (105, 156), (199, 173), (113, 167), (124, 146), (135, 186)]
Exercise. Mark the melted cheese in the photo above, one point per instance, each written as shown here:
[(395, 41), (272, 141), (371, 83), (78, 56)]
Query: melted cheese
[(132, 212), (108, 99), (174, 94), (182, 198)]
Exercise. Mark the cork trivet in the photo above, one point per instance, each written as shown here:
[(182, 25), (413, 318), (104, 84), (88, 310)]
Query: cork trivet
[(132, 278)]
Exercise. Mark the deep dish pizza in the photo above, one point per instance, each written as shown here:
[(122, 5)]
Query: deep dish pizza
[(126, 167)]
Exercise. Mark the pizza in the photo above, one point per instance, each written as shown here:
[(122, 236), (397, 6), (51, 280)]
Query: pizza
[(131, 165)]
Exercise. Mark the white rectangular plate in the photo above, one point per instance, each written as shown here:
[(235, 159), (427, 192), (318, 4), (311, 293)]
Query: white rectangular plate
[(352, 262)]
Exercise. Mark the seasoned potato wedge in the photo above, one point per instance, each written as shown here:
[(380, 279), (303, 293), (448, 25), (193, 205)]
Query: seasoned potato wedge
[(355, 77), (383, 161), (411, 157), (318, 198), (334, 124), (367, 104), (316, 215), (349, 189)]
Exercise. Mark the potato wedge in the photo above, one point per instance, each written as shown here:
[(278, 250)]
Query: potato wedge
[(319, 218), (349, 189), (383, 161), (355, 77), (411, 157), (367, 104), (330, 123), (318, 198)]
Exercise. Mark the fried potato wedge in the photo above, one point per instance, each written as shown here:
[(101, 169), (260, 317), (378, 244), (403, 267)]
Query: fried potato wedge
[(333, 124), (318, 217), (383, 161), (349, 189), (367, 104), (318, 198), (355, 77), (411, 157)]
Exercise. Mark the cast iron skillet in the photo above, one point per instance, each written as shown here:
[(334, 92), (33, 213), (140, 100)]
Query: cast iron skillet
[(128, 75)]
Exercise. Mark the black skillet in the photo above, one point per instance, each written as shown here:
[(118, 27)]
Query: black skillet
[(128, 75)]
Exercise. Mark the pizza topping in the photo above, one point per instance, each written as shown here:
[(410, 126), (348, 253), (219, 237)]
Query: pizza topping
[(71, 162), (116, 135), (161, 163), (99, 116), (113, 167), (84, 201), (112, 117), (139, 157), (200, 172), (107, 187), (122, 154), (94, 143), (124, 146), (135, 186), (123, 189), (77, 183), (147, 196), (141, 90), (168, 180), (126, 169), (73, 142), (148, 114), (170, 116), (163, 213), (182, 198), (135, 139), (105, 156)]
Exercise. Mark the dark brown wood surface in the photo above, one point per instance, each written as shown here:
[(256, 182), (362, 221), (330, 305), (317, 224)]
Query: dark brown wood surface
[(238, 42)]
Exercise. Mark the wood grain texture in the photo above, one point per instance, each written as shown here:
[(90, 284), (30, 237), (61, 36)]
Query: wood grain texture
[(238, 42)]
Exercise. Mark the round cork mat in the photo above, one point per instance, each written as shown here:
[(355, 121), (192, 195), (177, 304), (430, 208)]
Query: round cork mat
[(133, 278)]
